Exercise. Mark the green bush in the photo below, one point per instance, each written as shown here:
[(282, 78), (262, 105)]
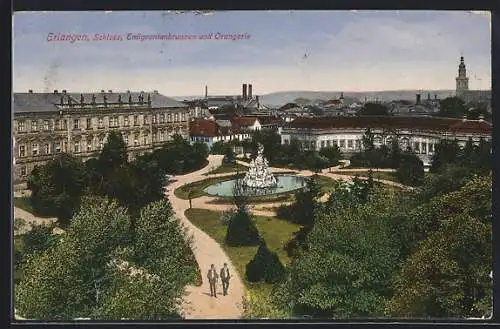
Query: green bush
[(266, 266), (241, 230)]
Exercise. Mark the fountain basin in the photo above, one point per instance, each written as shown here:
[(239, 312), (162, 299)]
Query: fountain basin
[(286, 183)]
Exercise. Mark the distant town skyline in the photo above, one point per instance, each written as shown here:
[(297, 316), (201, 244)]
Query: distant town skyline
[(351, 51)]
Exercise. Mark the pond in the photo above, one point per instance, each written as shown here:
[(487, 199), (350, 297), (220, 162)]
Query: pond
[(286, 183)]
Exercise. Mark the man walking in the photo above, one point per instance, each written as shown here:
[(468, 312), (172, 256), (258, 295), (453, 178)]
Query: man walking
[(224, 277), (212, 280)]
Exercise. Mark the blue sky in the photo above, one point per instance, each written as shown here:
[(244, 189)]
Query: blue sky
[(287, 50)]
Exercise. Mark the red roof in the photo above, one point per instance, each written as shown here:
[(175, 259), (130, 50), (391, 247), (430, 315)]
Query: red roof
[(207, 128), (243, 121), (417, 123), (269, 120)]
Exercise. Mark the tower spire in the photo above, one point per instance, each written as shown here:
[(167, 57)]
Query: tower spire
[(462, 81)]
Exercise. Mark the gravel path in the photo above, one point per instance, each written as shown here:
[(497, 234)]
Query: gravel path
[(30, 220), (197, 301)]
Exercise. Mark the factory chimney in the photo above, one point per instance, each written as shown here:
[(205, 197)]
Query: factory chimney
[(244, 94), (250, 91), (418, 99), (206, 91)]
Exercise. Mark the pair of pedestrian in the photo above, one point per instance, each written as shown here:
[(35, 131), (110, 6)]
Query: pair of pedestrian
[(213, 277)]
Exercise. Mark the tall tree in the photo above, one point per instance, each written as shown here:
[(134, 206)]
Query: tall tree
[(57, 186), (446, 151), (374, 109), (113, 154), (452, 107)]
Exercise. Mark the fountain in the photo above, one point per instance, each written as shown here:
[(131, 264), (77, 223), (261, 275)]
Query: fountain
[(258, 181), (258, 175)]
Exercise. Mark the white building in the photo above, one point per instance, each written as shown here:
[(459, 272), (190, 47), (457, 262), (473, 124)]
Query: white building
[(421, 134)]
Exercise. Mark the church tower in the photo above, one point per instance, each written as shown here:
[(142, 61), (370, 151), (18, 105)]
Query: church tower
[(462, 80)]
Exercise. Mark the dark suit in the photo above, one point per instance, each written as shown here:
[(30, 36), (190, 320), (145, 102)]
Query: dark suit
[(212, 280), (224, 277)]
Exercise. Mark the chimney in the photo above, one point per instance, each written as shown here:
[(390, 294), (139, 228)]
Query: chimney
[(257, 99), (155, 92), (102, 90), (55, 91), (206, 91), (435, 96), (244, 94), (30, 91), (249, 91), (418, 99), (64, 91), (428, 96), (110, 91)]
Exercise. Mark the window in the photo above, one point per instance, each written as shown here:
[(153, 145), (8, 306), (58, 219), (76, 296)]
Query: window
[(45, 124), (328, 143), (322, 144), (136, 139), (34, 126), (145, 120), (136, 120), (154, 137), (183, 116), (76, 146), (47, 149), (57, 147), (161, 136), (125, 139), (424, 148), (22, 151), (65, 124), (101, 142), (34, 149), (162, 118), (350, 144), (154, 118), (101, 123), (358, 144), (144, 139), (125, 121), (57, 124), (170, 117), (76, 124), (176, 117), (431, 148), (342, 143), (22, 171), (20, 126), (416, 147), (89, 145), (89, 123), (65, 146)]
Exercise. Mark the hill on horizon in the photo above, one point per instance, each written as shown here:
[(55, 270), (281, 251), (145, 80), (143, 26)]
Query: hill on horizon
[(283, 97)]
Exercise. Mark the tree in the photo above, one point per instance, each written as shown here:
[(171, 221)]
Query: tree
[(452, 107), (113, 154), (60, 283), (368, 140), (447, 274), (347, 268), (318, 111), (265, 266), (38, 239), (57, 186), (446, 151), (374, 109), (411, 170), (332, 153)]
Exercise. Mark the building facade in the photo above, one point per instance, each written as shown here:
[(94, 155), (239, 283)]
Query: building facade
[(421, 134), (46, 124)]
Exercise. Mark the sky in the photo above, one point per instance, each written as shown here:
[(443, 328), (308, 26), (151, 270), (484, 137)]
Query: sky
[(281, 51)]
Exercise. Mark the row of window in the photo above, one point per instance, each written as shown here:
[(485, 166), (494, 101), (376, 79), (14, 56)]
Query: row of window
[(113, 122), (88, 145)]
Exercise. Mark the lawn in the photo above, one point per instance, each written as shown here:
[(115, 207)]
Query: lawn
[(326, 184), (227, 168), (198, 187), (276, 233)]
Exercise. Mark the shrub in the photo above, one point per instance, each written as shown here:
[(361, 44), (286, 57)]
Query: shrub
[(241, 230), (265, 265)]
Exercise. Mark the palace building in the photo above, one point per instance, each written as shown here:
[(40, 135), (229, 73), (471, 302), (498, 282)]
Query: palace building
[(421, 134), (45, 124)]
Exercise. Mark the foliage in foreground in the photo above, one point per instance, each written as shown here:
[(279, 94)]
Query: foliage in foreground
[(93, 270)]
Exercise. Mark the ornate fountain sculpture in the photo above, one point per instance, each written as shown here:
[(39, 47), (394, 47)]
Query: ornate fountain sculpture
[(258, 175)]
